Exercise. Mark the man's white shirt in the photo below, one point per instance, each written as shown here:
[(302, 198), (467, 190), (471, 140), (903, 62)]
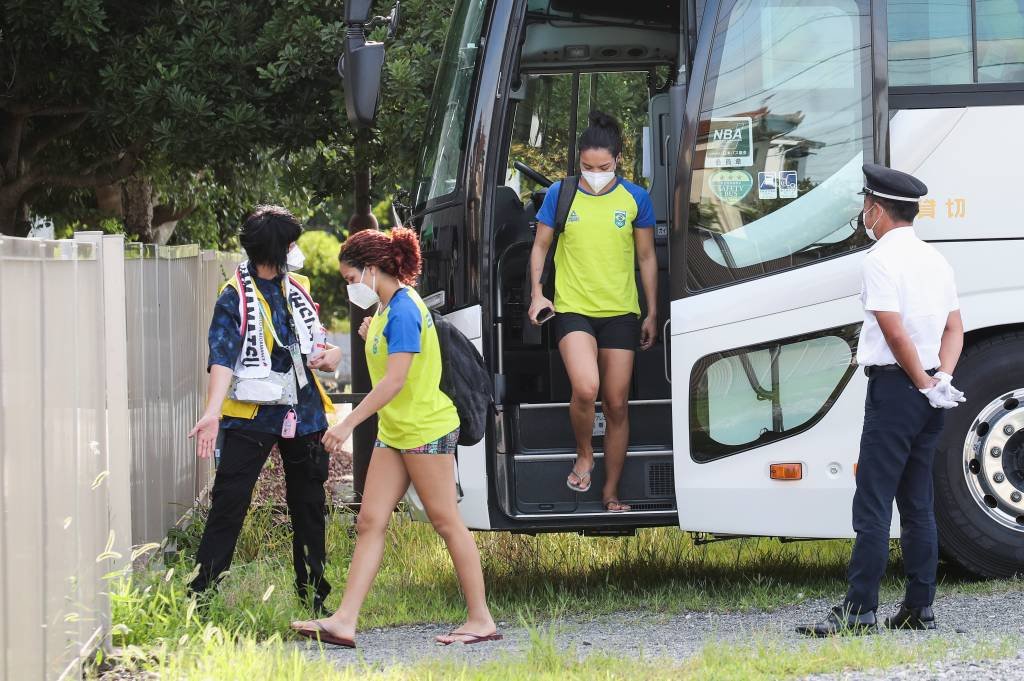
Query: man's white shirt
[(903, 274)]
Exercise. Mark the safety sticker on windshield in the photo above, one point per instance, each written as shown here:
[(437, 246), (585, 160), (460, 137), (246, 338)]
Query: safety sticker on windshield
[(730, 186), (787, 184), (767, 185), (730, 143)]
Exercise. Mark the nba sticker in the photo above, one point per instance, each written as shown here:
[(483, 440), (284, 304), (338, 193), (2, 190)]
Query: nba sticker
[(787, 184), (730, 143), (768, 185), (731, 186), (620, 218)]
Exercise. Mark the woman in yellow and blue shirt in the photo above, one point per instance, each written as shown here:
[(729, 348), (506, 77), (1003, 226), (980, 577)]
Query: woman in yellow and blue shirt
[(417, 432), (597, 313)]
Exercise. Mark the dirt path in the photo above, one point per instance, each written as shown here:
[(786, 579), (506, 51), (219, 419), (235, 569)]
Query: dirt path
[(962, 619)]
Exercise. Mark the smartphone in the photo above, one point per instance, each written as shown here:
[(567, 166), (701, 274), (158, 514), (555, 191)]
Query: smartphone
[(545, 315)]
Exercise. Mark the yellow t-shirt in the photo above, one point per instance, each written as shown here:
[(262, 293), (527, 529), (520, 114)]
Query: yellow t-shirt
[(421, 412), (595, 260)]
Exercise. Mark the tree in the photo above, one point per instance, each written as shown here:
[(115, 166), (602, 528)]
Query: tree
[(197, 101), (95, 91), (321, 266)]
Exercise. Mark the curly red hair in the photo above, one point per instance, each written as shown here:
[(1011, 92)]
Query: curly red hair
[(397, 252)]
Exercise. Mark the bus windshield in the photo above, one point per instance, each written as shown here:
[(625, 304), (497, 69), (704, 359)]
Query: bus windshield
[(443, 142)]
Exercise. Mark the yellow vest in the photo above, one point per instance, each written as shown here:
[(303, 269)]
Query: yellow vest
[(247, 410)]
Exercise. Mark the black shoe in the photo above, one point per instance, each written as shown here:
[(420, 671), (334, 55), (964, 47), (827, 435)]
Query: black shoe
[(911, 618), (841, 621), (321, 611)]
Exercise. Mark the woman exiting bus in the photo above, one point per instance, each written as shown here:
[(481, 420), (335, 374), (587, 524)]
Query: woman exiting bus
[(417, 432), (597, 315)]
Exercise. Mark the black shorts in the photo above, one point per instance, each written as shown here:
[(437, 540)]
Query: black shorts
[(621, 332)]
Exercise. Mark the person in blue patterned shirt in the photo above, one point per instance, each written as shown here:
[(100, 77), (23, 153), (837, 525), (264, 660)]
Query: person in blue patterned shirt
[(295, 424)]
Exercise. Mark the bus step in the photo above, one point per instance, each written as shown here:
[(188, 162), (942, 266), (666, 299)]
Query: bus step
[(609, 532), (539, 428)]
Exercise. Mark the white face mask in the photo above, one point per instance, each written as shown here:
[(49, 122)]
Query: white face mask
[(870, 231), (598, 181), (296, 259), (361, 295)]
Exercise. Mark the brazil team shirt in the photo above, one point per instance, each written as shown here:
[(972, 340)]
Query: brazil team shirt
[(420, 413), (595, 255)]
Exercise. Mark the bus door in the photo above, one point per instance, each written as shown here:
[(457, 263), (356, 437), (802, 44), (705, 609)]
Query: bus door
[(766, 399), (540, 449)]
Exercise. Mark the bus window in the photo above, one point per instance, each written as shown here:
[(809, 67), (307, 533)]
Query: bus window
[(540, 132), (930, 43), (1000, 41), (754, 396), (785, 121), (443, 141)]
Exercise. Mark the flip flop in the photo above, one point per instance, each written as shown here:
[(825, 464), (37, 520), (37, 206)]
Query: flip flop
[(622, 508), (473, 638), (582, 476), (324, 636)]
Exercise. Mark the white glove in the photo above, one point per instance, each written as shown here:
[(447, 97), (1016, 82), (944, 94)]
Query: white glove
[(938, 397), (951, 392)]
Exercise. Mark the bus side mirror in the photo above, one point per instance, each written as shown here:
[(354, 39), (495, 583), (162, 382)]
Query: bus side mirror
[(362, 62), (360, 69), (358, 11)]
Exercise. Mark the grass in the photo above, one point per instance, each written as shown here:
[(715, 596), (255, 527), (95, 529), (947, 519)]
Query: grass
[(659, 571), (213, 655)]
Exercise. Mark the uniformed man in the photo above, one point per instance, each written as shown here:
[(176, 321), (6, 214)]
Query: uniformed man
[(909, 345)]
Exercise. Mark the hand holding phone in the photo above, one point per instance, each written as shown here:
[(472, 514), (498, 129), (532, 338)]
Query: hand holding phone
[(541, 310)]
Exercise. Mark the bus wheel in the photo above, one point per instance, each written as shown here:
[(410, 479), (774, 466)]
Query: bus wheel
[(979, 466)]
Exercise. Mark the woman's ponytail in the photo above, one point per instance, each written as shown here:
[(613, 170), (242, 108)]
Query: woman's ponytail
[(405, 251)]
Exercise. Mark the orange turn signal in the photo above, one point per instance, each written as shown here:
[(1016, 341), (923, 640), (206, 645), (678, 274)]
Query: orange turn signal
[(786, 471)]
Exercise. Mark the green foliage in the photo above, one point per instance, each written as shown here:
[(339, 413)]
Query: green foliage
[(540, 136), (321, 250)]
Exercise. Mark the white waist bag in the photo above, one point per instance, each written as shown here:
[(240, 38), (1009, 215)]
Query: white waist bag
[(278, 388)]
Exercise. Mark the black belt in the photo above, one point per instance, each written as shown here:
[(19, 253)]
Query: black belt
[(870, 371)]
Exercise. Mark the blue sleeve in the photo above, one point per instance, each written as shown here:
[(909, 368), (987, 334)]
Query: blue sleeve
[(546, 214), (225, 337), (644, 207), (402, 330)]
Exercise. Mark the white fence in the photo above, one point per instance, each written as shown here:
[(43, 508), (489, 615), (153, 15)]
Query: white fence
[(170, 295), (102, 373)]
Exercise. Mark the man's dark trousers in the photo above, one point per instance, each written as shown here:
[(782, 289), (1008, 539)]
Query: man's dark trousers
[(242, 456), (897, 449)]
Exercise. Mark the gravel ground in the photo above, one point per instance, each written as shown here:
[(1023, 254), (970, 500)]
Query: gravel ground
[(962, 618), (999, 670)]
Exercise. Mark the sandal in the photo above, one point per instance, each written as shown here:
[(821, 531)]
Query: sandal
[(581, 488), (619, 507), (472, 638), (319, 633)]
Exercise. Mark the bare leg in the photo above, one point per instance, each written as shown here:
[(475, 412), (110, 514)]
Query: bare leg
[(386, 483), (616, 373), (579, 354), (433, 475)]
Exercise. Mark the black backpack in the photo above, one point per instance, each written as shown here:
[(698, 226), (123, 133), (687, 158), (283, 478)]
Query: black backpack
[(566, 195), (465, 379)]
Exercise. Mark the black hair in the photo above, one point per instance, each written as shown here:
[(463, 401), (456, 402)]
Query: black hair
[(266, 234), (899, 211), (604, 132)]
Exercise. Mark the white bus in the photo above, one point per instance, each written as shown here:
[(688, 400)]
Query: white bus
[(748, 122)]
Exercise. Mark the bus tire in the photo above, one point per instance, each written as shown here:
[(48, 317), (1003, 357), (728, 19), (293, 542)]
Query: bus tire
[(985, 541)]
